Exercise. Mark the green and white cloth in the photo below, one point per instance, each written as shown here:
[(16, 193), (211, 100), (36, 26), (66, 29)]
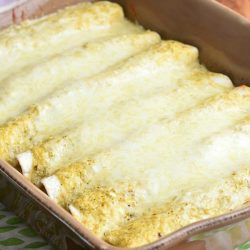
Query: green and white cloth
[(245, 246), (14, 234)]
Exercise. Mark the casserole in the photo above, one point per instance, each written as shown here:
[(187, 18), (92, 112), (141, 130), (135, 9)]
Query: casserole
[(244, 211)]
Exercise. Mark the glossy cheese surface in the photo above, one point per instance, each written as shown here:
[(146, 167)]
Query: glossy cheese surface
[(87, 99), (77, 63), (34, 41), (122, 120), (128, 132)]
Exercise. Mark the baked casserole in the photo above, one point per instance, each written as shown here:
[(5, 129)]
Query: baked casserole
[(126, 131)]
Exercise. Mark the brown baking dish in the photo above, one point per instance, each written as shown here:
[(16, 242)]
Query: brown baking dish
[(222, 37)]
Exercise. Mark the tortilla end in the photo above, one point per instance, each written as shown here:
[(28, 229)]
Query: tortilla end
[(75, 212), (52, 186), (26, 162)]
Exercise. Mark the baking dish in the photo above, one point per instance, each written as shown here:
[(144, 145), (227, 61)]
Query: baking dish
[(179, 21)]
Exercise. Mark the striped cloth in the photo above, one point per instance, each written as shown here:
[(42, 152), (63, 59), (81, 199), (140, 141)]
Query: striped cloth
[(14, 234)]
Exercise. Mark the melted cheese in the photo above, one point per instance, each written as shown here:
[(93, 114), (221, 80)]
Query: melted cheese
[(121, 122), (197, 200), (115, 204), (157, 162), (81, 62), (133, 135), (139, 75), (33, 41), (216, 198), (161, 171)]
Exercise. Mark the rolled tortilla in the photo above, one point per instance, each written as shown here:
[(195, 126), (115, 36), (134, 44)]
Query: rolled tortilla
[(153, 156), (209, 192), (81, 62), (218, 198), (15, 133), (158, 67), (121, 121), (114, 205), (33, 41), (55, 185)]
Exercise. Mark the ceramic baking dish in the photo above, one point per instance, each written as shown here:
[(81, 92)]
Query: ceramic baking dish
[(222, 37)]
